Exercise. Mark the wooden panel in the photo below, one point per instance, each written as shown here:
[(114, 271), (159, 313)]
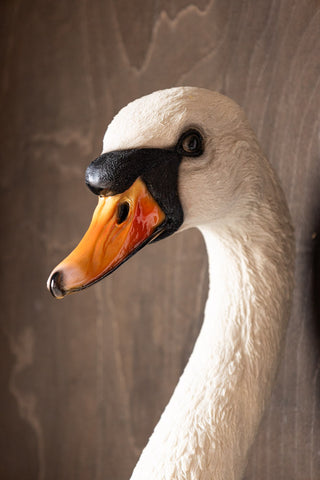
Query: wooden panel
[(83, 381)]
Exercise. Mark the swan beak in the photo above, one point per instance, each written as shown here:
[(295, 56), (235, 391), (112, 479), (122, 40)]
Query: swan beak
[(121, 225)]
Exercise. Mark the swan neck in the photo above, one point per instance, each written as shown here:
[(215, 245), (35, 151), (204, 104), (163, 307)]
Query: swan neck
[(210, 422)]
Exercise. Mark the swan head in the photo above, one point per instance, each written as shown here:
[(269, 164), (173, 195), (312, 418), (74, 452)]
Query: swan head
[(174, 159)]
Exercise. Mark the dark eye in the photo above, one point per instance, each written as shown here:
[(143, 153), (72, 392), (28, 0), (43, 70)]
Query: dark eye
[(190, 144)]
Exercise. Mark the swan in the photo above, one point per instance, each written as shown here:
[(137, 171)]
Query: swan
[(175, 159)]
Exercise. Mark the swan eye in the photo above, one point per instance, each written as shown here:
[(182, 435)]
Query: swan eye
[(190, 144)]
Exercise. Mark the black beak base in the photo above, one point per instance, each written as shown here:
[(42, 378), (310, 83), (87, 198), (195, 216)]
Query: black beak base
[(114, 172)]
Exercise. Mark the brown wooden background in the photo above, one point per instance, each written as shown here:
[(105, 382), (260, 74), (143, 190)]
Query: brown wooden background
[(83, 381)]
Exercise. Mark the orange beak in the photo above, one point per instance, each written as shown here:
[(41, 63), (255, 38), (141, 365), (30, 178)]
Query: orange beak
[(121, 225)]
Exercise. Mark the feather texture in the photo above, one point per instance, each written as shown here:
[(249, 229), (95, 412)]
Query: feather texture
[(233, 196)]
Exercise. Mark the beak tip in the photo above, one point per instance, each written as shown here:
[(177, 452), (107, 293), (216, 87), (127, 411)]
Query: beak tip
[(54, 285)]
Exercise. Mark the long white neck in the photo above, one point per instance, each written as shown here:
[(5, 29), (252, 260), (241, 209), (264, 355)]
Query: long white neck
[(210, 422)]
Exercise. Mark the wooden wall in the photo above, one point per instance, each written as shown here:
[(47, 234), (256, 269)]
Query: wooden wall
[(83, 381)]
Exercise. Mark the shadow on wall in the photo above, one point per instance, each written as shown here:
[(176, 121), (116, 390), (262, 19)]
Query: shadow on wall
[(316, 282)]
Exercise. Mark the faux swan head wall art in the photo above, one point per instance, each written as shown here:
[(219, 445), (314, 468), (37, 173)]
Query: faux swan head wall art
[(180, 158)]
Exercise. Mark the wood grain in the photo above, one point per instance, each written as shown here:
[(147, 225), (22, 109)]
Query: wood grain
[(84, 381)]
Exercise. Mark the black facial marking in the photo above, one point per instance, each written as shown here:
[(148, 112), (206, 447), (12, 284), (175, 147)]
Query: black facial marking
[(114, 172), (162, 183)]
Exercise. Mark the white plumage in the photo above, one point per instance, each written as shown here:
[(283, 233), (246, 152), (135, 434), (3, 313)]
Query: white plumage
[(233, 196)]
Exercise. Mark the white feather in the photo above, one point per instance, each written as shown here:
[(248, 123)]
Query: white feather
[(233, 196)]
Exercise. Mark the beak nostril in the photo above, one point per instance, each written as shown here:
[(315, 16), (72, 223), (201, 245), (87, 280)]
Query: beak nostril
[(122, 212), (55, 285)]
